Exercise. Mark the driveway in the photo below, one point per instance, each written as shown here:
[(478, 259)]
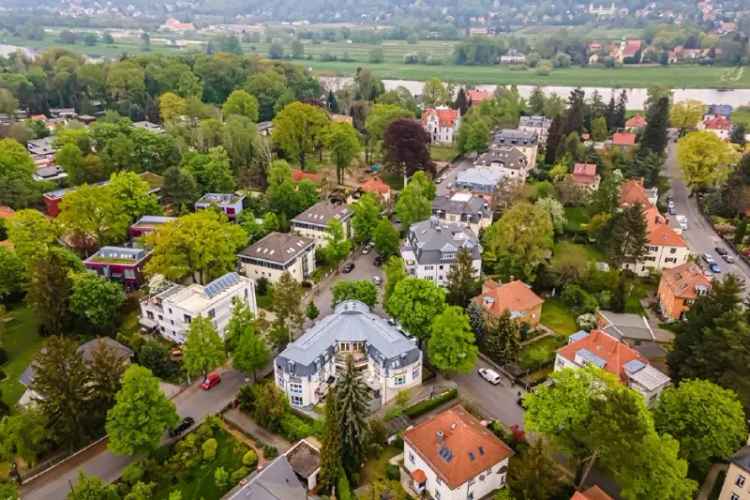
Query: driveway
[(193, 402), (700, 236), (449, 176)]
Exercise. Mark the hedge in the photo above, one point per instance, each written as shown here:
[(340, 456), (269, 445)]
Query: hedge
[(430, 404)]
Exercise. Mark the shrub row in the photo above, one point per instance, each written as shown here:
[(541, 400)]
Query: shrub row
[(430, 404)]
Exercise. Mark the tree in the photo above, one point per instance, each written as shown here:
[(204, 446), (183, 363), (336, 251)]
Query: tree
[(361, 290), (655, 137), (242, 144), (63, 393), (70, 158), (287, 305), (521, 238), (299, 129), (533, 473), (8, 103), (386, 238), (132, 193), (203, 350), (251, 353), (202, 245), (406, 147), (32, 234), (704, 159), (106, 367), (394, 272), (342, 142), (140, 415), (434, 93), (707, 420), (180, 188), (500, 339), (50, 288), (451, 346), (241, 103), (366, 217), (90, 487), (599, 132), (473, 134), (414, 303), (12, 273), (270, 405), (461, 103), (556, 212), (554, 138), (93, 217), (212, 171), (330, 451), (353, 410), (171, 106), (686, 114), (17, 187), (378, 120), (96, 299), (628, 235), (414, 203), (24, 434), (463, 284), (338, 245)]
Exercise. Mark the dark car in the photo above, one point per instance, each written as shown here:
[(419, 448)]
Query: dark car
[(348, 267), (728, 258), (721, 251), (378, 261), (186, 423)]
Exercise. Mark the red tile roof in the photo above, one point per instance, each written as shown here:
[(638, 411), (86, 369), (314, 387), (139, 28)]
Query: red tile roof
[(638, 121), (513, 296), (299, 175), (631, 48), (623, 139), (584, 173), (632, 192), (473, 448), (593, 493), (446, 117), (6, 212), (659, 231), (375, 185), (684, 279), (718, 122), (476, 96), (614, 353)]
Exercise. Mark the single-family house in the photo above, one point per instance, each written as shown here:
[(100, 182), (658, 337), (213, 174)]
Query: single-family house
[(719, 125), (536, 124), (630, 52), (635, 123), (148, 224), (592, 493), (150, 126), (600, 349), (313, 222), (169, 307), (477, 96), (514, 297), (679, 287), (452, 456), (276, 254), (470, 209), (513, 56), (42, 147), (123, 264), (665, 248), (431, 247), (526, 141), (737, 481), (377, 187), (229, 203), (584, 176), (173, 24), (623, 140), (634, 192), (441, 123), (388, 360)]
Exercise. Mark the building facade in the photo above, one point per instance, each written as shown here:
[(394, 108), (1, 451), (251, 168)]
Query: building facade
[(121, 264), (276, 254), (679, 287), (536, 124), (441, 123), (737, 481), (474, 211), (148, 224), (313, 222), (526, 141), (228, 203), (511, 163), (515, 297), (388, 360)]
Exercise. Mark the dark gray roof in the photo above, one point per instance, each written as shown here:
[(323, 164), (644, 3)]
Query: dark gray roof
[(279, 248), (304, 459), (219, 199), (464, 204), (508, 157), (277, 481), (432, 240), (484, 176), (627, 326), (742, 458), (535, 121), (323, 212), (514, 137)]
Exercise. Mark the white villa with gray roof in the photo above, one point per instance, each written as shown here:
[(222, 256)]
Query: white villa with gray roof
[(431, 248), (388, 360)]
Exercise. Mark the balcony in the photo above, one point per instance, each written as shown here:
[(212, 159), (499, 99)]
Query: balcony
[(359, 358)]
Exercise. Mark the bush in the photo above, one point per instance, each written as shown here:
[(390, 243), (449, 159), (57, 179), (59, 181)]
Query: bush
[(239, 474), (246, 398), (294, 428), (250, 459), (261, 286), (133, 473), (270, 451), (343, 490), (3, 356), (578, 299), (392, 472), (209, 449), (221, 478), (430, 404)]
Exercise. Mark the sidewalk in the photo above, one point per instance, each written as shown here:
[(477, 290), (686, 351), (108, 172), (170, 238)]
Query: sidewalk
[(248, 426)]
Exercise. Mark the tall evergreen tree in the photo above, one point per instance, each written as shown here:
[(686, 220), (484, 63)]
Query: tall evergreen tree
[(461, 103), (462, 285), (330, 451), (500, 340), (655, 138), (332, 103), (574, 118), (621, 110), (536, 101), (554, 138), (352, 402), (611, 113), (627, 239)]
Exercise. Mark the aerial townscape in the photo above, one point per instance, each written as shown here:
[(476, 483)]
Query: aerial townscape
[(375, 250)]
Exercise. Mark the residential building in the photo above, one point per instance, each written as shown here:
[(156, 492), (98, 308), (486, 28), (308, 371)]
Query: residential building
[(169, 308), (121, 264), (510, 162), (593, 493), (536, 124), (477, 96), (526, 141), (630, 52), (584, 176), (627, 327), (470, 209), (388, 361), (300, 175), (737, 481), (377, 187), (633, 192), (148, 224), (276, 254), (42, 147), (228, 203), (513, 57), (623, 140), (151, 127), (313, 222), (265, 128), (173, 24), (431, 247), (679, 287), (441, 123), (724, 110), (719, 125), (49, 172), (636, 123), (665, 247), (606, 352), (452, 456), (515, 297)]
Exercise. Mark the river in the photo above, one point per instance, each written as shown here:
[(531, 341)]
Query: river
[(636, 96)]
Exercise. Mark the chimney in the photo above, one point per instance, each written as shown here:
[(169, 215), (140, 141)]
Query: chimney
[(439, 435)]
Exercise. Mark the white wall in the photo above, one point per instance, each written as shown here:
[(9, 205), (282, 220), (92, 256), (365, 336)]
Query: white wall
[(658, 258), (271, 274)]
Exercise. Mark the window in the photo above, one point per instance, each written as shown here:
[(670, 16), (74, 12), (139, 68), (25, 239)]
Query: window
[(149, 315), (212, 313), (129, 274), (296, 400), (734, 496), (295, 388), (411, 457), (740, 481), (186, 318), (399, 379), (415, 373), (672, 250), (437, 494), (438, 481)]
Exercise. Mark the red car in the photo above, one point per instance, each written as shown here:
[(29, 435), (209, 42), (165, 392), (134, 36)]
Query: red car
[(212, 380)]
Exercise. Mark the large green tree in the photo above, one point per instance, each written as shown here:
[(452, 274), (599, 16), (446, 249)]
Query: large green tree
[(299, 129), (627, 238), (352, 401), (17, 187), (362, 290), (96, 299), (287, 305), (50, 288), (366, 217), (704, 159), (330, 451), (415, 201), (463, 284), (452, 345), (90, 487), (338, 245), (386, 238), (343, 144), (203, 350), (132, 194), (32, 234), (415, 302), (12, 273), (500, 338), (252, 352), (93, 217), (241, 103)]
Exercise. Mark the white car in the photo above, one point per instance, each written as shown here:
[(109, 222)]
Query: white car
[(490, 375), (682, 221), (377, 280)]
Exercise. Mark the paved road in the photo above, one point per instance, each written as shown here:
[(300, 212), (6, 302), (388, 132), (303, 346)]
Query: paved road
[(99, 461), (700, 236), (449, 175)]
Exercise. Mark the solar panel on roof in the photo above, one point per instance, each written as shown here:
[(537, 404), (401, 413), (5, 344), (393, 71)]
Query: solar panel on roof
[(220, 284)]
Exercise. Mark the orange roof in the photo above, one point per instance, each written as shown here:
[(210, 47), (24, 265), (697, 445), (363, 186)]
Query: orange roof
[(584, 173), (513, 296), (623, 139), (593, 493), (614, 353), (684, 279), (454, 433), (41, 118), (446, 117), (631, 48), (718, 122), (375, 185), (418, 476), (476, 96), (659, 232), (638, 121), (6, 212), (298, 176), (632, 192)]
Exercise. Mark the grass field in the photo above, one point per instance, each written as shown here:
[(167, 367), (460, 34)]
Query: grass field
[(536, 354), (21, 340), (557, 317)]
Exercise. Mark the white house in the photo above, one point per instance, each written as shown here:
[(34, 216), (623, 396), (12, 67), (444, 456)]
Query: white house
[(313, 222), (169, 308), (475, 211), (431, 248), (388, 360), (441, 123), (511, 162), (452, 456), (536, 124), (526, 141), (229, 203), (277, 253)]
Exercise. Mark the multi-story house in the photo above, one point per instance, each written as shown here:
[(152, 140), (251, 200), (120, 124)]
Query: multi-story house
[(584, 176), (510, 162), (480, 179), (526, 141), (276, 254), (606, 352), (441, 123), (536, 124), (388, 360), (737, 481), (148, 224), (121, 264), (679, 287), (452, 456), (719, 125), (313, 222), (474, 211), (431, 248), (228, 203), (515, 297), (169, 308)]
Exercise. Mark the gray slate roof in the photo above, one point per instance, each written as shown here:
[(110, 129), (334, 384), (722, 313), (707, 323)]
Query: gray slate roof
[(535, 121), (507, 156), (742, 458), (514, 137), (275, 482), (431, 239), (627, 326), (323, 212), (485, 176), (471, 206), (350, 321), (276, 247)]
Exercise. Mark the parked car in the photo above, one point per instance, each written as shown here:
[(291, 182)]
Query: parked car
[(728, 258), (714, 267), (212, 380), (708, 259), (365, 250), (348, 267), (671, 211), (682, 221), (377, 280), (721, 251), (378, 261), (186, 423), (490, 375)]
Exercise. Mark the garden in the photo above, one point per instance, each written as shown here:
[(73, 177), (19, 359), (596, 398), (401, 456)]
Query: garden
[(21, 342)]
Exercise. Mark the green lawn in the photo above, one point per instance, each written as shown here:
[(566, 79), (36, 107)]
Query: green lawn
[(566, 249), (575, 218), (22, 341), (742, 115), (443, 153), (375, 467), (557, 317), (535, 354)]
